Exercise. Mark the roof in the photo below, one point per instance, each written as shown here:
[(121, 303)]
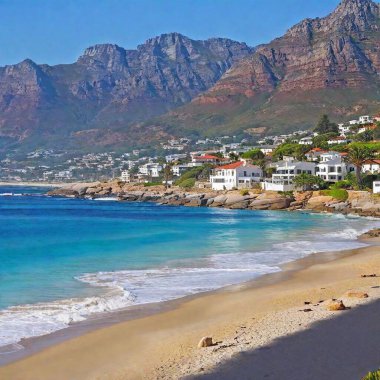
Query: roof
[(319, 150), (338, 138), (372, 162), (206, 157), (234, 165)]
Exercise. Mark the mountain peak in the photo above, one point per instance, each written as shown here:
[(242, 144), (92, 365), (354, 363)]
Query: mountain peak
[(356, 14)]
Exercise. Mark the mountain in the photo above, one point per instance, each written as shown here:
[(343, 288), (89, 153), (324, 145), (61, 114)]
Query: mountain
[(323, 65), (173, 86), (101, 98)]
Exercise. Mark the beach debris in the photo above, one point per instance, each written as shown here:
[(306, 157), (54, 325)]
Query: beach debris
[(307, 310), (368, 275), (206, 341), (336, 305), (307, 303), (357, 295)]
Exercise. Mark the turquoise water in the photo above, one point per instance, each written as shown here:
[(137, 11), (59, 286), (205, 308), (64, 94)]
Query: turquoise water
[(64, 259)]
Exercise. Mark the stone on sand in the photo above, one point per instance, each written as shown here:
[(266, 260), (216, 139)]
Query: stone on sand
[(206, 341), (357, 295), (336, 305)]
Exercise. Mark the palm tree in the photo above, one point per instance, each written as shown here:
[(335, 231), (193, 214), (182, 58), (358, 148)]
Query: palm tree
[(357, 155)]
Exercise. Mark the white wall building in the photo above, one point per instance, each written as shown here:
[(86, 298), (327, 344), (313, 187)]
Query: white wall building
[(205, 159), (371, 166), (125, 176), (344, 129), (306, 141), (236, 175), (150, 169), (376, 187), (286, 171), (338, 140), (365, 119), (177, 170), (332, 167)]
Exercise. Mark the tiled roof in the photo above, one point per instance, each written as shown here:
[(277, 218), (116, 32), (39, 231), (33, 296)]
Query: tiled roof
[(206, 157), (234, 165)]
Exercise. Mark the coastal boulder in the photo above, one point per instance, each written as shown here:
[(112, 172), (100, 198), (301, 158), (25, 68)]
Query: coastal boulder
[(336, 305), (206, 341), (357, 295)]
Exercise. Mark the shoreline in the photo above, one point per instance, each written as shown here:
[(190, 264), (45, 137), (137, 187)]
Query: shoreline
[(36, 184), (60, 343)]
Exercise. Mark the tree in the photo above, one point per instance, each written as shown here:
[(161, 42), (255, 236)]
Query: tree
[(365, 136), (376, 132), (325, 126), (233, 156), (357, 155), (308, 181), (168, 174), (254, 154)]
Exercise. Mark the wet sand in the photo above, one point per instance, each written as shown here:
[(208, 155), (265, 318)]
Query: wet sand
[(247, 318)]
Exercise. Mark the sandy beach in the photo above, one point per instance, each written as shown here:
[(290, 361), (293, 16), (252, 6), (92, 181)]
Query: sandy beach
[(260, 330)]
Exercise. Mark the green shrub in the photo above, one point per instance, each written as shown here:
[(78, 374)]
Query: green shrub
[(338, 194), (147, 184), (372, 376), (187, 183), (244, 192), (341, 185)]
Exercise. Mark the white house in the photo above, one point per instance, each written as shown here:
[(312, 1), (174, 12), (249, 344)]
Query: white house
[(125, 176), (365, 119), (366, 128), (286, 171), (236, 175), (315, 154), (306, 141), (332, 167), (344, 129), (150, 169), (371, 166), (177, 170), (376, 187), (338, 140), (205, 159)]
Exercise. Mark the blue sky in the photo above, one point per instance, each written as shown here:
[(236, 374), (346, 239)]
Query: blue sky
[(57, 31)]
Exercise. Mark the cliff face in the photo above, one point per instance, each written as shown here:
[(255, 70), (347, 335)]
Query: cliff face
[(320, 65), (109, 86)]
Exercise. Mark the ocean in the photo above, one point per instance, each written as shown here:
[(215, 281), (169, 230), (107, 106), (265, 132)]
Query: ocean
[(63, 260)]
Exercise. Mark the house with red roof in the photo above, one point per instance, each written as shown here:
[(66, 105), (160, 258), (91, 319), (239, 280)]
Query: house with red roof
[(314, 154), (205, 159), (371, 166), (238, 175)]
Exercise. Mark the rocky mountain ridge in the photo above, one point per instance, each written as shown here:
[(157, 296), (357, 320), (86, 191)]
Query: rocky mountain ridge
[(329, 64), (174, 86), (109, 87)]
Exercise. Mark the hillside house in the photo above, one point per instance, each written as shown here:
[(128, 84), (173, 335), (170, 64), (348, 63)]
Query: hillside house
[(286, 171), (371, 166), (332, 167), (238, 175)]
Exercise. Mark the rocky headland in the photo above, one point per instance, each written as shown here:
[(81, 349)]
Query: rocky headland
[(358, 202)]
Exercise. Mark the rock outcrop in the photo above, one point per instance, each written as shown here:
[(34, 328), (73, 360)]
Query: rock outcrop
[(358, 202)]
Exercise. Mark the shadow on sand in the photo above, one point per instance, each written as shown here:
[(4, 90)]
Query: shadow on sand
[(343, 348)]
